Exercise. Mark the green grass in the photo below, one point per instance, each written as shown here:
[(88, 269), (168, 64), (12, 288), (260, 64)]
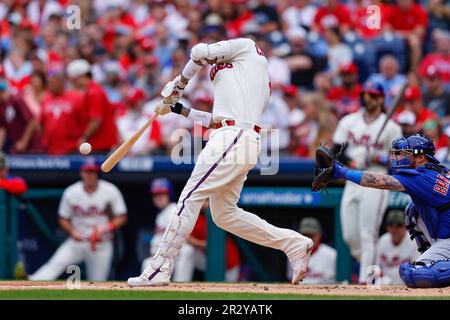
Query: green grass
[(43, 294)]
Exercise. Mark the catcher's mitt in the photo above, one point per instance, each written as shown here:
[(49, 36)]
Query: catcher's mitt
[(323, 171)]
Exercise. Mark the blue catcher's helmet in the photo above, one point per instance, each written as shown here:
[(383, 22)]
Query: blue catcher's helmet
[(413, 145)]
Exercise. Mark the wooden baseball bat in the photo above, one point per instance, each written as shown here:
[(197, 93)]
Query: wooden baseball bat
[(123, 149), (395, 105)]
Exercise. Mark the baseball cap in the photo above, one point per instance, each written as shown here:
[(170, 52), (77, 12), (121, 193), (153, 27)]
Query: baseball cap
[(90, 164), (310, 225), (406, 117), (290, 90), (432, 72), (2, 160), (374, 88), (412, 93), (78, 68), (395, 217), (136, 94), (350, 68), (160, 186)]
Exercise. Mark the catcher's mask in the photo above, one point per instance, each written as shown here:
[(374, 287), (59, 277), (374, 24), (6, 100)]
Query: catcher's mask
[(400, 154), (402, 149)]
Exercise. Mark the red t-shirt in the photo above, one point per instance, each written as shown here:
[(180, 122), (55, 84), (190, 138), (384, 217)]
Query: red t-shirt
[(440, 62), (407, 20), (332, 17), (346, 101), (97, 106), (14, 117), (231, 250), (61, 121), (359, 20)]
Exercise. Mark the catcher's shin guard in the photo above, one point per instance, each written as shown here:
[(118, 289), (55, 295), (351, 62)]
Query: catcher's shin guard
[(419, 275)]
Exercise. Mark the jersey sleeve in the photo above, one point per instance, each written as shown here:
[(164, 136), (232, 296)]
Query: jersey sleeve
[(340, 135), (229, 50), (118, 206), (411, 183), (64, 210)]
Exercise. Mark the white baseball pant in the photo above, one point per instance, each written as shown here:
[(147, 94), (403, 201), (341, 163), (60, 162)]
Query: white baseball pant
[(72, 252), (219, 174), (362, 211)]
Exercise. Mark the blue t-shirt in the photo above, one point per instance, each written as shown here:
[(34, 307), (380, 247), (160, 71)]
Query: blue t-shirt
[(428, 190)]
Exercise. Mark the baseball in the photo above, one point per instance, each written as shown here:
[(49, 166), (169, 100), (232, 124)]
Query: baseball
[(85, 148)]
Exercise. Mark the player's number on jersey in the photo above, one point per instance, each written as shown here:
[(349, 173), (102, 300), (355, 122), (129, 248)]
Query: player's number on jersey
[(442, 184)]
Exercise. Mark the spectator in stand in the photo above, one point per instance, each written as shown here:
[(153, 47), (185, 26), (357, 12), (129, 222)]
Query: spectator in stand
[(299, 13), (39, 11), (135, 118), (17, 70), (302, 65), (113, 82), (410, 21), (412, 101), (17, 123), (433, 130), (389, 77), (34, 92), (322, 263), (99, 125), (438, 14), (440, 58), (339, 53), (332, 15), (407, 121), (14, 185), (435, 97), (316, 128), (443, 154), (61, 116), (266, 16), (291, 98), (347, 96), (148, 76), (394, 248)]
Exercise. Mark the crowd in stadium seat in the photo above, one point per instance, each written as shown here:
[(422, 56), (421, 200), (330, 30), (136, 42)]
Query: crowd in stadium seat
[(320, 52)]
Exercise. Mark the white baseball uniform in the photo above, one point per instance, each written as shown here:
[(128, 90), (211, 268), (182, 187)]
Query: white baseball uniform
[(321, 267), (390, 257), (362, 208), (241, 92), (85, 212)]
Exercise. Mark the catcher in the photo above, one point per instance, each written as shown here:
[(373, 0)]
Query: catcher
[(420, 175)]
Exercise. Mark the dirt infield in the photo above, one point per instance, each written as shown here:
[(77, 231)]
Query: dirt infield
[(322, 290)]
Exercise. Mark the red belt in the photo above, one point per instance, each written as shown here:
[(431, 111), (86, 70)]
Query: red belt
[(218, 125)]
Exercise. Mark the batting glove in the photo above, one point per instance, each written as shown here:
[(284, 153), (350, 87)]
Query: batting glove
[(173, 90)]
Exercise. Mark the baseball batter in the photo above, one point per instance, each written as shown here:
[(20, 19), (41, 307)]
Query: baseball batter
[(362, 209), (241, 91), (89, 211)]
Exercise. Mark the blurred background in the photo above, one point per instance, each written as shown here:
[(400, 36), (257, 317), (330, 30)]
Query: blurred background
[(320, 54)]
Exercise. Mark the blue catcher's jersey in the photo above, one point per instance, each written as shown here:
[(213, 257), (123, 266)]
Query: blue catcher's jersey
[(428, 189)]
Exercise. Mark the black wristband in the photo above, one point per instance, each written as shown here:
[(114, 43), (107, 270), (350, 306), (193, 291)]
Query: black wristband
[(177, 108)]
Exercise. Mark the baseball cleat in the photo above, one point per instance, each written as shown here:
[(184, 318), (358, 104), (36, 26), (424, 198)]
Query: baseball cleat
[(161, 279), (300, 265)]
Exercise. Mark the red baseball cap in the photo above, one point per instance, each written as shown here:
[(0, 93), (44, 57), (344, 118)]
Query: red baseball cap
[(412, 93), (136, 94), (348, 68), (290, 90), (432, 72), (90, 164)]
